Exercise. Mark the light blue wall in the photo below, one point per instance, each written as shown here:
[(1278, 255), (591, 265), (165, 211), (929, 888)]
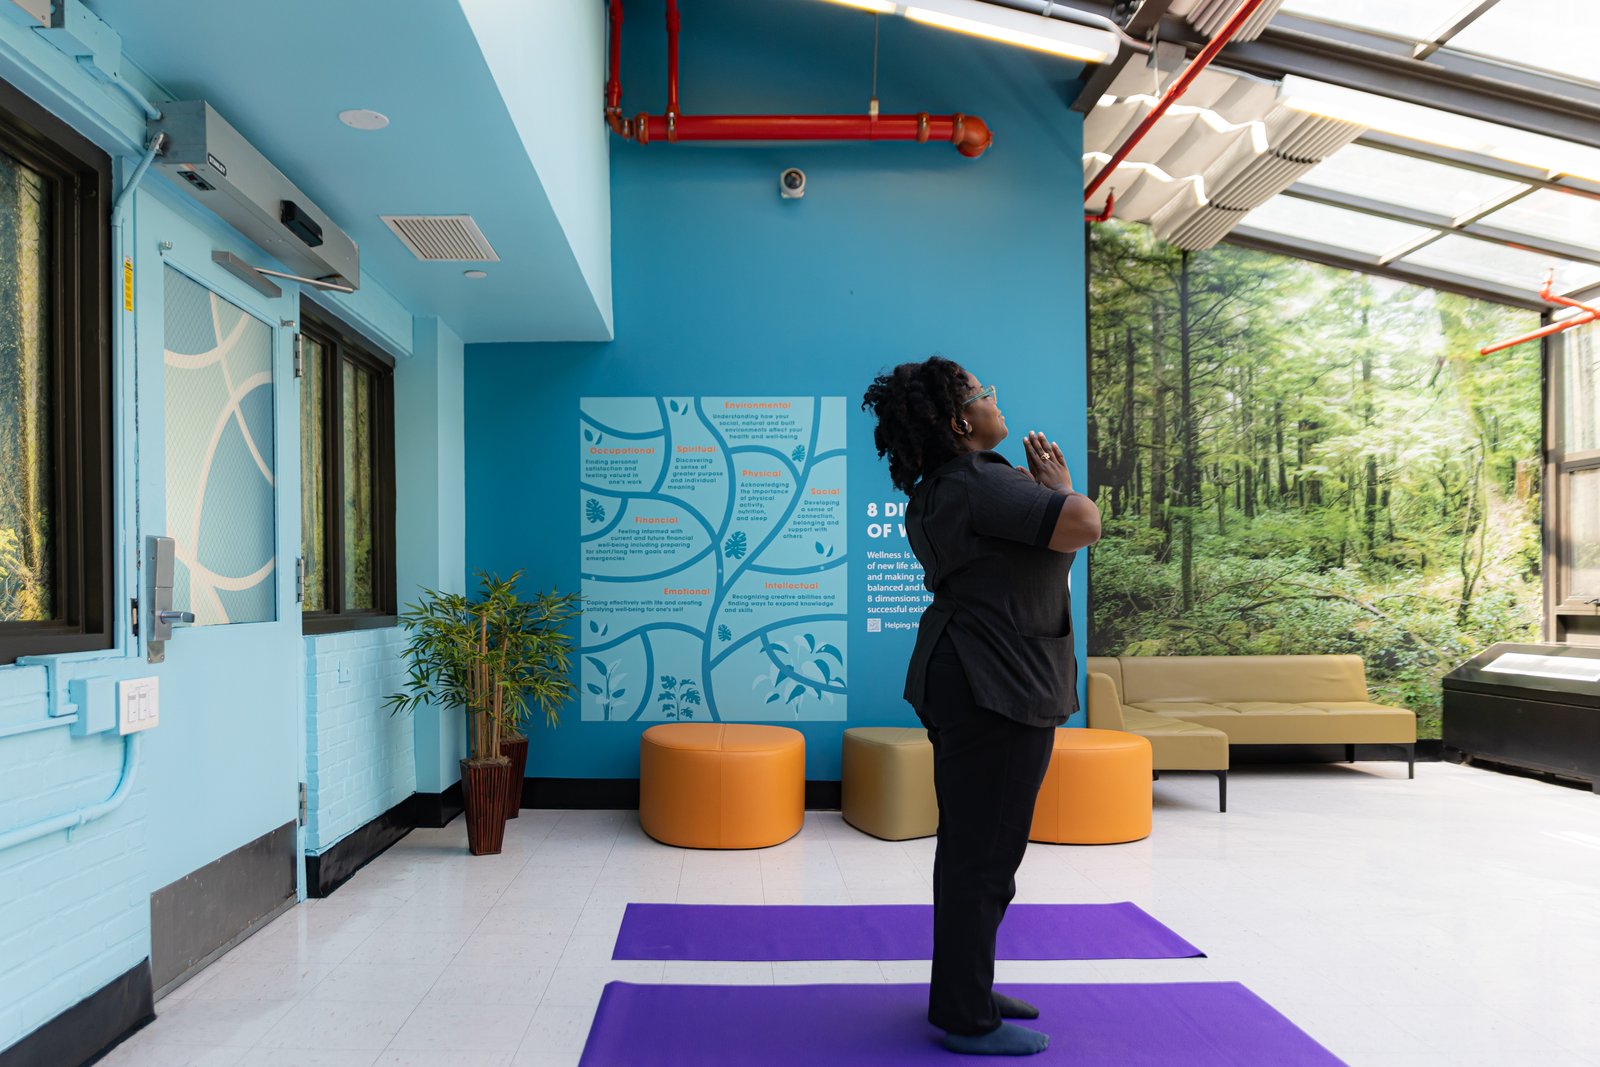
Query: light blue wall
[(431, 512), (896, 252), (222, 767), (540, 53)]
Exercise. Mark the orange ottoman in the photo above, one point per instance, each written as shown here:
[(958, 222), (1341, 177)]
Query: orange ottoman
[(1097, 790), (721, 785)]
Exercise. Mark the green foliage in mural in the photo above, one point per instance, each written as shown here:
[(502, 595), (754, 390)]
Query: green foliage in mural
[(799, 454), (736, 545), (678, 699), (594, 511), (1292, 459)]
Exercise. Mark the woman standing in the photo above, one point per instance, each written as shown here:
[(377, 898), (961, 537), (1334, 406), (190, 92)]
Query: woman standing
[(993, 672)]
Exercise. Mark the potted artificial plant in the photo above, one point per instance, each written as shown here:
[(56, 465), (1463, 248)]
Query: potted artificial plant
[(497, 657)]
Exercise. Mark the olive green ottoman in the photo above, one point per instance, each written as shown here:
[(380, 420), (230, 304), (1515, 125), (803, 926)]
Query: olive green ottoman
[(887, 782)]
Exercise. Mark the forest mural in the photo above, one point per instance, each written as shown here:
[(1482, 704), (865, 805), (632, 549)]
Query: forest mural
[(1293, 459)]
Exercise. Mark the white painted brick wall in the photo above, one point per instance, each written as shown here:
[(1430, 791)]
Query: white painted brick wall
[(360, 759), (74, 912)]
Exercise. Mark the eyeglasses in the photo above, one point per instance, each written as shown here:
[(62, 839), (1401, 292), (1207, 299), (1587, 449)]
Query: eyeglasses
[(986, 391)]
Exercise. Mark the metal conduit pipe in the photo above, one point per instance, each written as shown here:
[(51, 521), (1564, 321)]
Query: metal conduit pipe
[(1051, 10), (83, 816)]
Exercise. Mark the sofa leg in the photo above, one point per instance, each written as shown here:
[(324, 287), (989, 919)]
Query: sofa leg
[(1155, 776), (1411, 760), (1349, 753), (1222, 790)]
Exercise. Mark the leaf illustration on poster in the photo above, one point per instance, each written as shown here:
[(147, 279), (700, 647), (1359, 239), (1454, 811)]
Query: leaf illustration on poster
[(717, 557)]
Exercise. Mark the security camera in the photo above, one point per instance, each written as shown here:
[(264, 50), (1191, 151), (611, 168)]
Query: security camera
[(792, 183)]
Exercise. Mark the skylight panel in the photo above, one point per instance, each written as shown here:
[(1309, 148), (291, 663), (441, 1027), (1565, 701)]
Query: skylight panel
[(1302, 220), (1510, 268), (1401, 180), (1411, 20)]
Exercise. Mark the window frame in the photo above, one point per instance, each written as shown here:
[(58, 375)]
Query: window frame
[(1565, 605), (342, 343), (81, 428)]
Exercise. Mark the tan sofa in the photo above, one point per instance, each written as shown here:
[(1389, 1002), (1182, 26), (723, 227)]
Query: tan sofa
[(1250, 700)]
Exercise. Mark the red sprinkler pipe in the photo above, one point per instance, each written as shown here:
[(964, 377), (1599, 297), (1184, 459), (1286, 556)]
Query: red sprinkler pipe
[(673, 22), (1589, 315), (1111, 204), (970, 134), (1170, 97), (614, 117)]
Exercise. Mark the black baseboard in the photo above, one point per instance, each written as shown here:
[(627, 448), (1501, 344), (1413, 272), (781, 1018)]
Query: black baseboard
[(823, 796), (91, 1028), (334, 866), (197, 917), (622, 794), (433, 810), (581, 794)]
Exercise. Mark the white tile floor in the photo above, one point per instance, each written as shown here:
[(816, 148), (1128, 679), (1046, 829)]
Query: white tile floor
[(1453, 920)]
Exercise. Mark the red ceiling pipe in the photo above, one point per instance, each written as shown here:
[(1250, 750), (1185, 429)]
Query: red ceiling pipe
[(970, 134), (1170, 97), (1590, 315)]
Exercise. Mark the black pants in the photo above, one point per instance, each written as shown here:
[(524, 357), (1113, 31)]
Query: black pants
[(986, 772)]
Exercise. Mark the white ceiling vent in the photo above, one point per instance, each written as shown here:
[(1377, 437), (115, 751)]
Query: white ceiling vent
[(442, 237)]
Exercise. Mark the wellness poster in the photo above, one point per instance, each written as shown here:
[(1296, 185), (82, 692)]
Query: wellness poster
[(713, 559)]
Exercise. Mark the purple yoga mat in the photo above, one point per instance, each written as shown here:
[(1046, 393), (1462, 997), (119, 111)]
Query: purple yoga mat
[(885, 932), (1196, 1024)]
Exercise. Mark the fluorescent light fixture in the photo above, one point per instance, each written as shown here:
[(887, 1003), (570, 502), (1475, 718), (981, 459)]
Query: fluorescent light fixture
[(1429, 125), (1002, 24), (877, 7)]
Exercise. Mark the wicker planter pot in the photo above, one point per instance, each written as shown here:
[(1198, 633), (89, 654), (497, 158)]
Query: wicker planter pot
[(483, 788), (516, 750)]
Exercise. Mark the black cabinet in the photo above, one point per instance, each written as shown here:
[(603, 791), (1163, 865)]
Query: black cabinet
[(1535, 707)]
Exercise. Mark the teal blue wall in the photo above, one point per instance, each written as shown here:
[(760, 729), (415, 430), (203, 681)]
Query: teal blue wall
[(896, 252), (223, 765)]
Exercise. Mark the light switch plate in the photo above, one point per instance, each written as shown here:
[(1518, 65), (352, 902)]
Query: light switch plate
[(138, 701)]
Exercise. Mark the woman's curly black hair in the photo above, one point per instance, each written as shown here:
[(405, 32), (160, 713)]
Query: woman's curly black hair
[(914, 404)]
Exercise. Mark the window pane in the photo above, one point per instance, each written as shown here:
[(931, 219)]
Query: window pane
[(1411, 21), (1287, 216), (359, 478), (1581, 388), (221, 507), (1394, 178), (1549, 213), (313, 468), (26, 507), (1553, 35), (1584, 509), (1513, 268)]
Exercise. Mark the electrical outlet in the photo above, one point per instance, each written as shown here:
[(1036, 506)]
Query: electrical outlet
[(139, 702), (343, 673)]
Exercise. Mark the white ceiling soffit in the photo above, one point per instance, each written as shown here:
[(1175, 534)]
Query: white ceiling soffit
[(1226, 148), (1209, 16)]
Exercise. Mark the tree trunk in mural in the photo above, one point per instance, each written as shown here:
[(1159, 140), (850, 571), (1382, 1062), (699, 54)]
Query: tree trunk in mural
[(1186, 465)]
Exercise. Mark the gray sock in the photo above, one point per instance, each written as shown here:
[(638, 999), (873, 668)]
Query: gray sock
[(1009, 1040)]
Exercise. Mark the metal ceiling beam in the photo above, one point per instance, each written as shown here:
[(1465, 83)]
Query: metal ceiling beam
[(1142, 23), (1344, 259), (1472, 227), (1460, 21)]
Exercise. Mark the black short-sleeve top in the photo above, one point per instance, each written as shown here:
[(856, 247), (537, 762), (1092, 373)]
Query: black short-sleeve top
[(980, 529)]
